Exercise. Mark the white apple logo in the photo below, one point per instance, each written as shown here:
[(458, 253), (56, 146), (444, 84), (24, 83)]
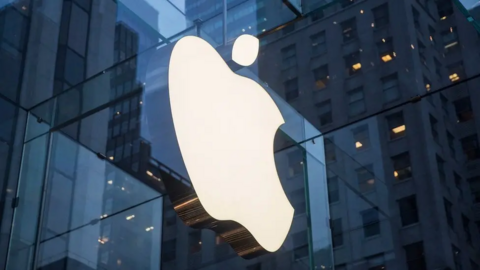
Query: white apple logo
[(225, 126)]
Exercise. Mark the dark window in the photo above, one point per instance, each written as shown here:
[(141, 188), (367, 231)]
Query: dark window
[(408, 210), (458, 184), (356, 102), (448, 212), (337, 232), (295, 162), (474, 183), (456, 258), (365, 178), (317, 14), (470, 147), (346, 3), (257, 266), (325, 112), (441, 169), (444, 102), (288, 29), (451, 143), (371, 222), (78, 31), (401, 166), (321, 77), (319, 44), (352, 63), (291, 89), (416, 19), (422, 53), (445, 8), (289, 57), (333, 192), (385, 49), (390, 88), (463, 109), (381, 16), (169, 249), (330, 150), (434, 128), (298, 201), (376, 262), (466, 229), (195, 241), (415, 256), (349, 30), (361, 137), (474, 266), (396, 125)]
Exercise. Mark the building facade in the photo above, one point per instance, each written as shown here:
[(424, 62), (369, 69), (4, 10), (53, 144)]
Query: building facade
[(378, 154)]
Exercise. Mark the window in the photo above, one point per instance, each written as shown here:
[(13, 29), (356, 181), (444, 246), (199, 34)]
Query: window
[(330, 150), (450, 40), (451, 143), (365, 178), (396, 125), (432, 32), (416, 19), (376, 262), (349, 30), (401, 166), (408, 210), (352, 63), (298, 201), (195, 241), (415, 256), (325, 112), (371, 223), (466, 229), (381, 16), (444, 102), (288, 29), (448, 212), (458, 184), (475, 189), (333, 192), (295, 162), (470, 147), (169, 250), (428, 84), (434, 127), (421, 53), (337, 232), (289, 57), (456, 258), (356, 102), (385, 49), (445, 8), (321, 76), (319, 44), (474, 266), (390, 88), (463, 109), (317, 14), (361, 137), (257, 266), (291, 89), (441, 169), (456, 71), (346, 3)]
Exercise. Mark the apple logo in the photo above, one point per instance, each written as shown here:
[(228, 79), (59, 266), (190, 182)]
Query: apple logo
[(225, 126)]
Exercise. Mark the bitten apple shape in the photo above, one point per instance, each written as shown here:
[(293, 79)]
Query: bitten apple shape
[(225, 126)]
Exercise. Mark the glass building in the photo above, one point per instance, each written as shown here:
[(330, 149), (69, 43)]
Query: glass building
[(379, 154)]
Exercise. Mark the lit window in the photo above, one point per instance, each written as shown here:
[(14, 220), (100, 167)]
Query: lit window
[(396, 125), (353, 63), (321, 76), (456, 71), (401, 166), (450, 39), (361, 137)]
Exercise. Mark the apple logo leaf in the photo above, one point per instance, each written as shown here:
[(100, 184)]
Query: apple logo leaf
[(225, 125)]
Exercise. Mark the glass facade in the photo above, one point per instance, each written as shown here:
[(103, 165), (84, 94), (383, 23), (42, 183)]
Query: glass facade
[(379, 154)]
